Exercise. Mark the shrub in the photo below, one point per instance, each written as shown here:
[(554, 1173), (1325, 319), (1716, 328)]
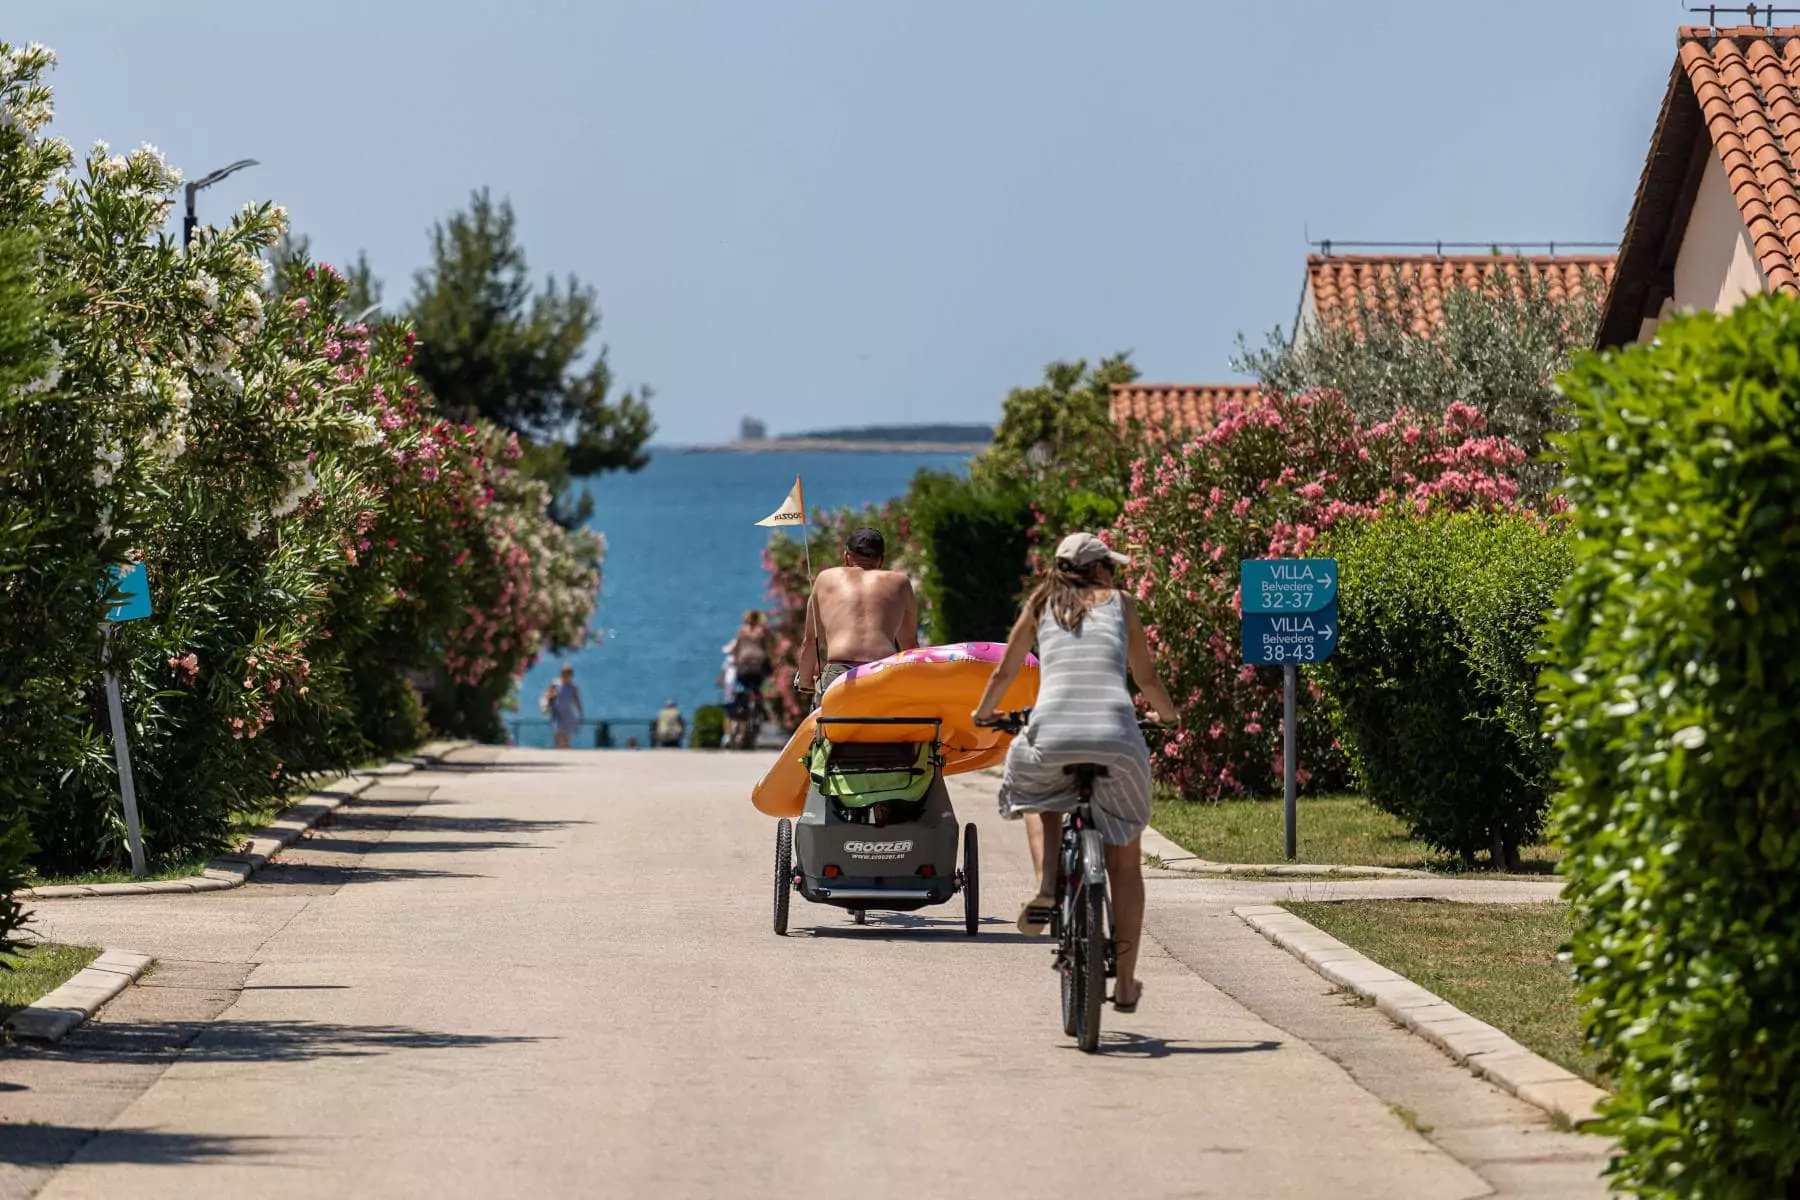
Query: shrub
[(1672, 698), (1432, 691), (50, 605), (317, 538), (975, 541), (709, 727), (1059, 434), (1266, 482)]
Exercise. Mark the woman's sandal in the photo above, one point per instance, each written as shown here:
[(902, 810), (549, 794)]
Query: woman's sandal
[(1034, 918), (1132, 1007)]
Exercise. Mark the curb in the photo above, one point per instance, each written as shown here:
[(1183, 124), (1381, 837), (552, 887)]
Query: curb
[(1192, 864), (235, 870), (80, 998), (1486, 1051)]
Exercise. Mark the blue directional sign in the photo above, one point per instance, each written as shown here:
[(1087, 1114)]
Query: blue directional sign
[(1290, 610), (1277, 639), (1287, 585), (134, 581)]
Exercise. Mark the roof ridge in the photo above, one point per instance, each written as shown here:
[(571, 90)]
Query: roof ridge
[(1431, 256)]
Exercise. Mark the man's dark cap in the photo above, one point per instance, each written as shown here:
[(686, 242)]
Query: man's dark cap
[(866, 543)]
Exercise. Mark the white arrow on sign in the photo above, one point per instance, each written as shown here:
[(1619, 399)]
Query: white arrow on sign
[(1326, 632), (1325, 580)]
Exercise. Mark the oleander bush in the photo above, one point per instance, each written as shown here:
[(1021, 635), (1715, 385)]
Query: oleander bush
[(1266, 482), (1672, 692), (1432, 691), (329, 559)]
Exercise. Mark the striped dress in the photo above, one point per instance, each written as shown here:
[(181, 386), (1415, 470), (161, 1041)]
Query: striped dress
[(1084, 714)]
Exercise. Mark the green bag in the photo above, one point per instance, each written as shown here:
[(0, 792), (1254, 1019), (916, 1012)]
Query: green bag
[(859, 774)]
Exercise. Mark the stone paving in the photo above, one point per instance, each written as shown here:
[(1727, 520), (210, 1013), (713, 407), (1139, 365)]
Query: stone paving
[(552, 974)]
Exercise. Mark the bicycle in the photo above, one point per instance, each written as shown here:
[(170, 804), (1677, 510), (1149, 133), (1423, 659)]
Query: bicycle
[(750, 714), (1082, 918)]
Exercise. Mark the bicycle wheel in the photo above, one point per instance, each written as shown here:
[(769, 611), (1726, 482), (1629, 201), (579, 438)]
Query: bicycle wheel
[(971, 882), (1091, 965), (784, 873)]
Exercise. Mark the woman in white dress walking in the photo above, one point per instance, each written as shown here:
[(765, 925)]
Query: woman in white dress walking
[(1088, 635)]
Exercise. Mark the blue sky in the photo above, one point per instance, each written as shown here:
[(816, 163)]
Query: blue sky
[(841, 211)]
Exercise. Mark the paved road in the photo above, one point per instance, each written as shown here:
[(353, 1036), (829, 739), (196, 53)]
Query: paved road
[(553, 975)]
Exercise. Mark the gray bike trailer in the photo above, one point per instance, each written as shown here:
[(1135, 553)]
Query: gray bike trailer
[(878, 831)]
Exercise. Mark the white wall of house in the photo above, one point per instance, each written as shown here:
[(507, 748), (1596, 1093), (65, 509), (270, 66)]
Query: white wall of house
[(1309, 312), (1716, 266)]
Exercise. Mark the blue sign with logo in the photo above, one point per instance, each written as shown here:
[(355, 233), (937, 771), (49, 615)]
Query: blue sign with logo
[(1287, 585), (134, 581), (1290, 610), (1276, 639)]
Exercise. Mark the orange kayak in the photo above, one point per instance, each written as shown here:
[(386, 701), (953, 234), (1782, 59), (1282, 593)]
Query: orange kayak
[(937, 682)]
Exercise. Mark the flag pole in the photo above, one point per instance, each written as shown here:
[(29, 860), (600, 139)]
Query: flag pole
[(805, 528)]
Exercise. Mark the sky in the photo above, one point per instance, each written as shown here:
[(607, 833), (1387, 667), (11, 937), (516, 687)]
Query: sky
[(839, 212)]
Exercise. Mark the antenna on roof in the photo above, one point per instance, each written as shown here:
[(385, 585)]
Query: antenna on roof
[(1768, 12), (1496, 249)]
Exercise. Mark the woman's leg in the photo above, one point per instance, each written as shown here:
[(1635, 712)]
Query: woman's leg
[(1049, 849), (1125, 871), (1043, 833), (1034, 838), (562, 739)]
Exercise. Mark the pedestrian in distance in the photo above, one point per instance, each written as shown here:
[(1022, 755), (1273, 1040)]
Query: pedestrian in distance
[(670, 728), (562, 703)]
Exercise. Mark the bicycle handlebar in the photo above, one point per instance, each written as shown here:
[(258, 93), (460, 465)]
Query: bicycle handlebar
[(1014, 722)]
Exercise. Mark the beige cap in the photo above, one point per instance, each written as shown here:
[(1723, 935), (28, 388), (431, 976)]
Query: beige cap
[(1080, 549)]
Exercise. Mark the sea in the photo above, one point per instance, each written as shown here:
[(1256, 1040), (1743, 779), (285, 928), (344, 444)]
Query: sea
[(683, 563)]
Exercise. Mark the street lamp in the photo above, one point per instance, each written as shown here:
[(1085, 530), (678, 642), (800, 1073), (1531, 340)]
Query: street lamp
[(193, 189)]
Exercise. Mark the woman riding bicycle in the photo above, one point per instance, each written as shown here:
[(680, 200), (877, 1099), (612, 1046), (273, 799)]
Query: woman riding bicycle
[(1088, 634)]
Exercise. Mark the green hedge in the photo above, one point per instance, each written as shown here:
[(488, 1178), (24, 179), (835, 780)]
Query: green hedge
[(975, 540), (1432, 688), (1674, 702), (709, 727)]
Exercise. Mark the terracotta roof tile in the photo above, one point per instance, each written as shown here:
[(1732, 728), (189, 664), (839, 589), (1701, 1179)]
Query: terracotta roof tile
[(1182, 406), (1745, 80), (1336, 280)]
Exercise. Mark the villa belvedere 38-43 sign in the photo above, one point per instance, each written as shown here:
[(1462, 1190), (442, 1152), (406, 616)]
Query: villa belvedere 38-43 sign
[(1289, 610)]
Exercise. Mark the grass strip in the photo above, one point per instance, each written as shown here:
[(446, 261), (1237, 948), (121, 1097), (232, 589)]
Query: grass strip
[(1341, 830), (1496, 962), (38, 970)]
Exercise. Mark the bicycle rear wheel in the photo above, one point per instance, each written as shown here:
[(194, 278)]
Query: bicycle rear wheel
[(1066, 925), (1090, 965)]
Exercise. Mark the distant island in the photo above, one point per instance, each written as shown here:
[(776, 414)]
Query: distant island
[(891, 439), (961, 435)]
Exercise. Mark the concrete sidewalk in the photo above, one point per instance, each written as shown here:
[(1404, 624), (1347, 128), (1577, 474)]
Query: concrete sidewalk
[(555, 976)]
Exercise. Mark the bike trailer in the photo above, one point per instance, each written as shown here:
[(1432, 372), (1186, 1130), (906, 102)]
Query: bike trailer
[(878, 830)]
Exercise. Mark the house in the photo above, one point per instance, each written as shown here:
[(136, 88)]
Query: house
[(1717, 213), (1337, 286)]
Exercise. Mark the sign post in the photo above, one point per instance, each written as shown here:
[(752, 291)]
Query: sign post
[(1290, 617), (133, 581)]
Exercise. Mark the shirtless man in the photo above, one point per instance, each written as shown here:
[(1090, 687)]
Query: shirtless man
[(857, 613)]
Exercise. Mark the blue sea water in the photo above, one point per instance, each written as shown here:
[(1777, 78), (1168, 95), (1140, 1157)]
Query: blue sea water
[(683, 562)]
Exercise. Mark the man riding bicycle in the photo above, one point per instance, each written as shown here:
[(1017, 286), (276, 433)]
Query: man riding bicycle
[(1088, 636)]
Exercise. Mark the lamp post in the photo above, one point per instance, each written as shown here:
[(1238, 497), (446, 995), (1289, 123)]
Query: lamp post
[(193, 189)]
